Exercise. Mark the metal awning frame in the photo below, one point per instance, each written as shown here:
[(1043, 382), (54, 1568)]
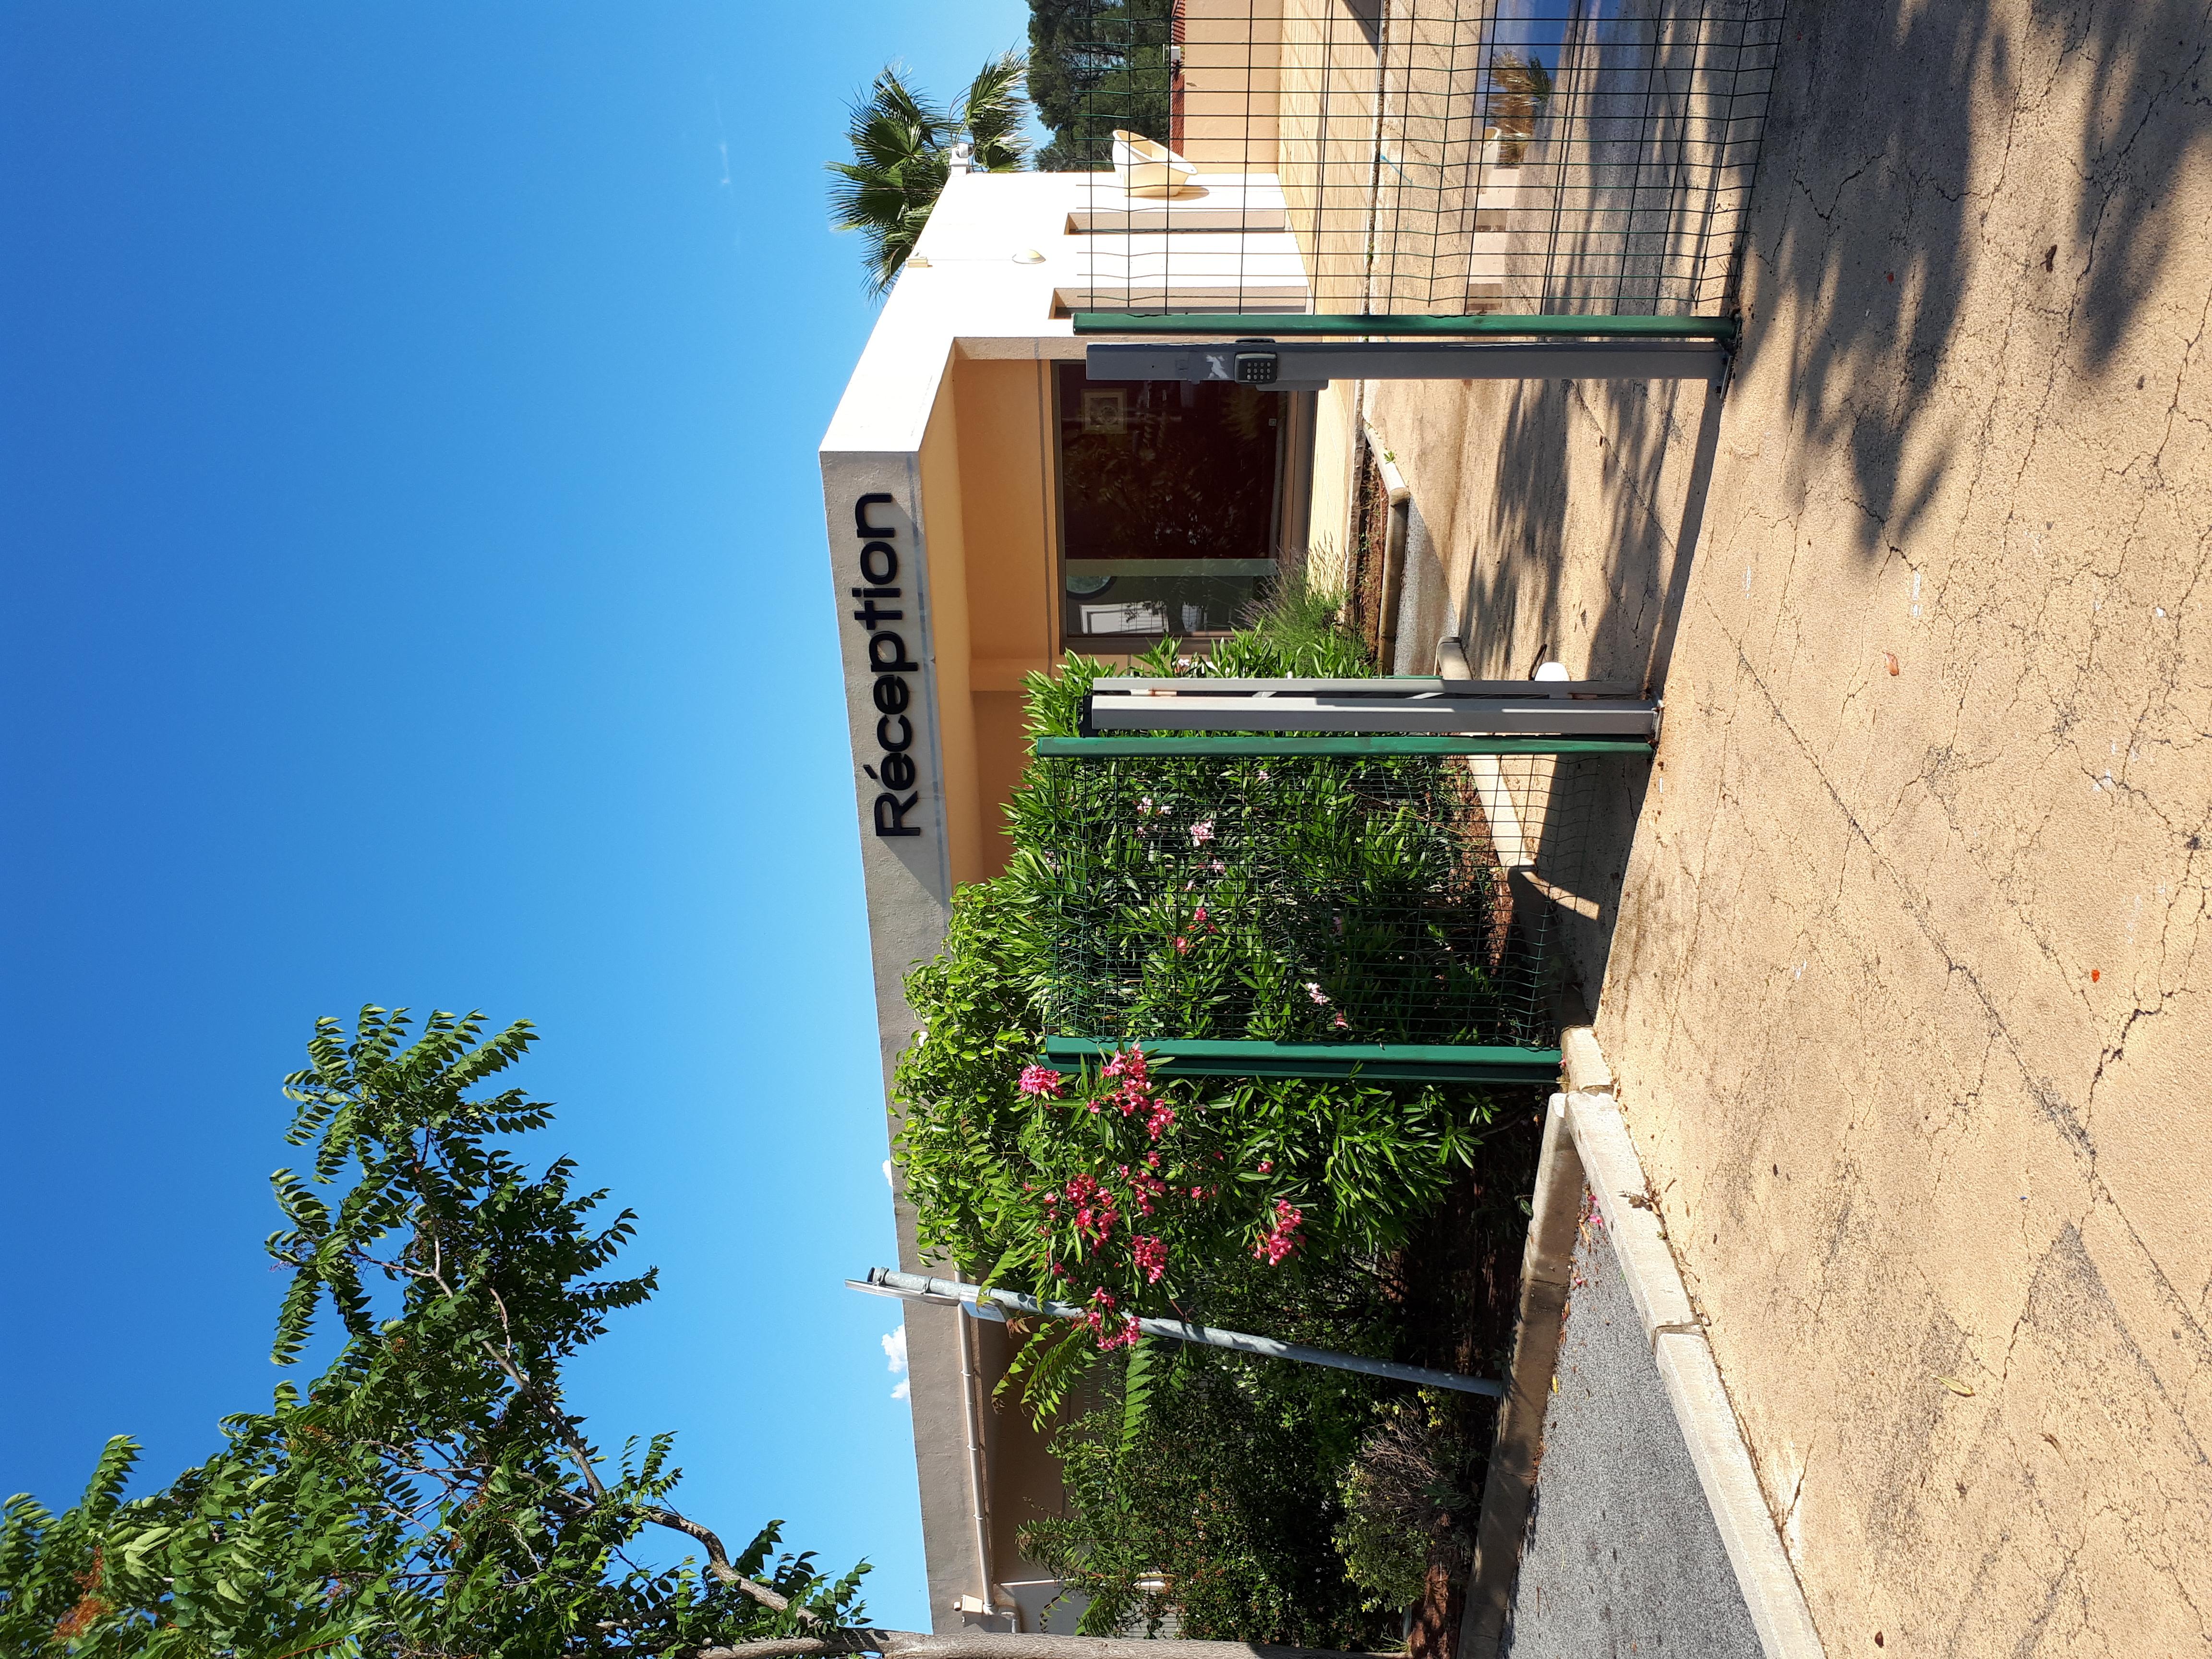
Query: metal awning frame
[(1294, 365), (1411, 706)]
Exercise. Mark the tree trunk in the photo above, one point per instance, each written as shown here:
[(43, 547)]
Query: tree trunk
[(1435, 1634)]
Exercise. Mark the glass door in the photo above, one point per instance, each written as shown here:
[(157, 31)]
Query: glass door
[(1169, 505)]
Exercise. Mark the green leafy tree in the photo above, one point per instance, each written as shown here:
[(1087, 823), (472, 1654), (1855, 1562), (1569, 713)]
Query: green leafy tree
[(430, 1492), (1096, 66), (902, 147), (1218, 1500)]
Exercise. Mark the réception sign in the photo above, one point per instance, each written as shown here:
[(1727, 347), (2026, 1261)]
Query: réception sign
[(894, 771)]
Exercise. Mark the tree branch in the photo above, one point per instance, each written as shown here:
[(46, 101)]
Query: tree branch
[(718, 1563)]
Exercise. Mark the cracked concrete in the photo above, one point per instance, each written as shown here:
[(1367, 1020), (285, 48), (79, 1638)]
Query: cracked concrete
[(1902, 957)]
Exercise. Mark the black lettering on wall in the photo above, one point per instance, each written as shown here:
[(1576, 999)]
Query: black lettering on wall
[(890, 813), (887, 654), (895, 768)]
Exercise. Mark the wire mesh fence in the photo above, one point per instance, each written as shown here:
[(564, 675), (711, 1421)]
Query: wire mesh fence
[(1407, 157), (1311, 899)]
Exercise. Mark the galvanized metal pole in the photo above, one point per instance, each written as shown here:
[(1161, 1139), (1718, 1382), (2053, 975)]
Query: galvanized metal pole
[(922, 1287)]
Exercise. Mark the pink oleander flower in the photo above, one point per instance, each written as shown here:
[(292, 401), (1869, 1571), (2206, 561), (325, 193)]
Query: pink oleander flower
[(1320, 996), (1151, 1256), (1160, 1120), (1100, 1311), (1267, 1166), (1097, 1210), (1182, 944), (1145, 806), (1340, 1021), (1041, 1080), (1202, 831), (1144, 1188), (1129, 1063), (1279, 1240), (1217, 866)]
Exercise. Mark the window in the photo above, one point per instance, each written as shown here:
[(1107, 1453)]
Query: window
[(1170, 503)]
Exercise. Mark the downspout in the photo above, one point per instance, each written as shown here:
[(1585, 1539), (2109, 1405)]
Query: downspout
[(1393, 550), (982, 1603), (1176, 30)]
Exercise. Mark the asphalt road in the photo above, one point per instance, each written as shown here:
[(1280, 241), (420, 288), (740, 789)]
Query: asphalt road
[(1622, 1556)]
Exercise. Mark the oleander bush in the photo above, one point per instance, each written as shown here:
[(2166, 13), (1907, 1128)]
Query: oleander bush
[(1216, 1516), (1119, 1187), (1210, 1494)]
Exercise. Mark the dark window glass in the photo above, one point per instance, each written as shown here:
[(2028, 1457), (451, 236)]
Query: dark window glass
[(1167, 498)]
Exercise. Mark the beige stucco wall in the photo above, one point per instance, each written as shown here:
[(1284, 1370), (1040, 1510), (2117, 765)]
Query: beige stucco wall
[(1231, 63), (945, 520), (986, 489), (1910, 988), (1336, 435), (1005, 471)]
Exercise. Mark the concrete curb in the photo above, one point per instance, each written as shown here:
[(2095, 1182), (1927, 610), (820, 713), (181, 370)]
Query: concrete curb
[(1547, 1270), (1694, 1384)]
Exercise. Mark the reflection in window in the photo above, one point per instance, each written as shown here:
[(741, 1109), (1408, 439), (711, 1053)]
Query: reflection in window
[(1168, 502)]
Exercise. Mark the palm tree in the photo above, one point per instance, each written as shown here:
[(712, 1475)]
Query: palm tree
[(1520, 87), (902, 147)]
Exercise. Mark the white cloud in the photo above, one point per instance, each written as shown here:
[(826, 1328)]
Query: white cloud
[(894, 1351), (887, 1172)]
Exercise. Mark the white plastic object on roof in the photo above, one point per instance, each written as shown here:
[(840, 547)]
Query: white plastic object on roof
[(1147, 167)]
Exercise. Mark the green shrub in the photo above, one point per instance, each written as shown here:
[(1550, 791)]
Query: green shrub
[(1220, 1511), (1120, 1188), (1405, 1500)]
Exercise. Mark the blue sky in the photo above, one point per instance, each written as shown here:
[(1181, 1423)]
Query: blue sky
[(414, 595)]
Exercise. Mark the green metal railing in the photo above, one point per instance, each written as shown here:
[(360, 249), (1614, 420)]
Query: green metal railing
[(1381, 1062), (1282, 325), (1340, 746)]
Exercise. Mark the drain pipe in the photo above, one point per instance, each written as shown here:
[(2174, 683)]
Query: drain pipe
[(921, 1287), (971, 1389), (1394, 549)]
